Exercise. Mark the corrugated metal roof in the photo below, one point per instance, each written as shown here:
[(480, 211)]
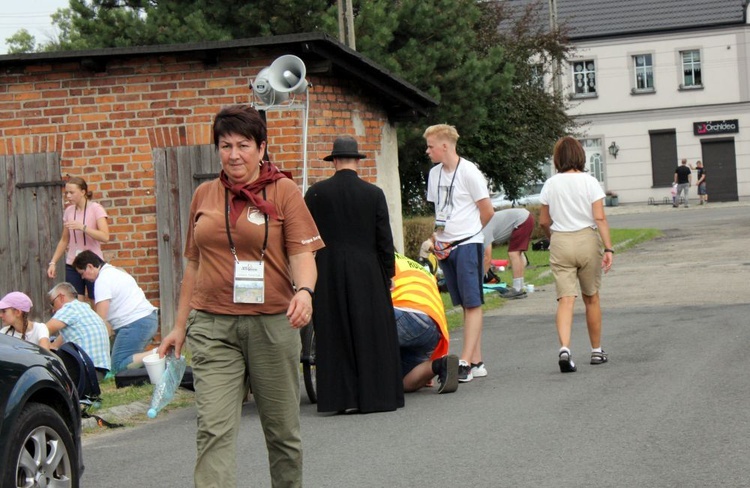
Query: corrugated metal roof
[(603, 18)]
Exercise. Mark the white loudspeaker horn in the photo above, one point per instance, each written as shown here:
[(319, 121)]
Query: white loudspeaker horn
[(287, 74), (263, 89)]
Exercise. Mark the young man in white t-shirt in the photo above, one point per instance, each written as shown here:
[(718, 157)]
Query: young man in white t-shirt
[(462, 207)]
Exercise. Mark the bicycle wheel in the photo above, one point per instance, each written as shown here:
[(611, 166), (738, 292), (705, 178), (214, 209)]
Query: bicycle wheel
[(308, 362)]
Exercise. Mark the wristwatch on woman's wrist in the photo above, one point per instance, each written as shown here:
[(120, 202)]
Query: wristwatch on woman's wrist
[(308, 290), (606, 249)]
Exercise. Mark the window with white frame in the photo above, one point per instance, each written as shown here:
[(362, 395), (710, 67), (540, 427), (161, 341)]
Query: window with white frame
[(691, 68), (584, 77), (643, 68)]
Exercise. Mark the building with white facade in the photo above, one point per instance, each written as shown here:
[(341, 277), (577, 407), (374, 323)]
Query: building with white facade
[(655, 81)]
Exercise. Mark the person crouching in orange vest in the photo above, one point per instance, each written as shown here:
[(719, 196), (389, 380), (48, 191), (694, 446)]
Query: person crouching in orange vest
[(422, 328)]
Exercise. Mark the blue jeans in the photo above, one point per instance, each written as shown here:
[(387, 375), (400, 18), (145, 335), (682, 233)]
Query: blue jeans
[(418, 335), (74, 278), (132, 339)]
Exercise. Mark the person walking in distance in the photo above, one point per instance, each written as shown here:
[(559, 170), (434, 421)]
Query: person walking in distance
[(462, 207), (701, 183), (683, 178), (572, 216)]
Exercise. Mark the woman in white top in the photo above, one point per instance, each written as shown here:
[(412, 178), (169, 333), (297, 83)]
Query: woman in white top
[(572, 216), (122, 303), (14, 310), (86, 228)]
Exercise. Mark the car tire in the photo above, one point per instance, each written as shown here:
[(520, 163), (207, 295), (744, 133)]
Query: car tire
[(41, 447)]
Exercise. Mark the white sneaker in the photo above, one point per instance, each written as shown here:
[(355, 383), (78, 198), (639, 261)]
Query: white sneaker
[(464, 372), (478, 370)]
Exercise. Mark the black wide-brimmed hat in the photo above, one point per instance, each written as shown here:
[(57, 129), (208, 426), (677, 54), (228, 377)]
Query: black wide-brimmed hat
[(344, 147)]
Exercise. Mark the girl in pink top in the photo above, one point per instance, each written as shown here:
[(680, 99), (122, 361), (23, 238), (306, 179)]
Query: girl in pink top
[(86, 228)]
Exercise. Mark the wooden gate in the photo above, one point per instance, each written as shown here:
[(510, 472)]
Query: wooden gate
[(30, 225), (179, 171)]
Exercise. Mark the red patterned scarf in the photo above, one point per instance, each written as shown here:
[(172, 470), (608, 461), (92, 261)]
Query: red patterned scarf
[(241, 194)]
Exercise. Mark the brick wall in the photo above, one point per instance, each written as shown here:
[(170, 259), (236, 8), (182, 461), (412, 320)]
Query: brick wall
[(105, 125)]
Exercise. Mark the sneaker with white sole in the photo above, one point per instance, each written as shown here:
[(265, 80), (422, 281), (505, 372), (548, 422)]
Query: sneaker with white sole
[(464, 372), (478, 370)]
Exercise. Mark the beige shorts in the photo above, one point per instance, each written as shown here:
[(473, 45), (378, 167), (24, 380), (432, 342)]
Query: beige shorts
[(576, 259)]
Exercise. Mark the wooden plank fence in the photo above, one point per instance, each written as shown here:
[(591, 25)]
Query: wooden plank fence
[(30, 225), (179, 171)]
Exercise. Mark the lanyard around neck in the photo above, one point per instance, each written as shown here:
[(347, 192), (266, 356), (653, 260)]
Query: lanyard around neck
[(450, 188), (75, 212), (229, 234)]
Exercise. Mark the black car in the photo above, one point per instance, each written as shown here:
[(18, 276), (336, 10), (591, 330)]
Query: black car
[(40, 434)]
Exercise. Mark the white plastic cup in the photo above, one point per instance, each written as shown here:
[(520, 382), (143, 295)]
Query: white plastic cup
[(529, 288), (155, 366)]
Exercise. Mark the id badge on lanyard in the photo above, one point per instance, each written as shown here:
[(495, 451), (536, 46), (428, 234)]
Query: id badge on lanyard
[(443, 213), (249, 285), (249, 276)]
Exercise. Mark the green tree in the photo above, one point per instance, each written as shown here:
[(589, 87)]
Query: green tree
[(21, 42), (512, 145), (434, 45), (450, 49)]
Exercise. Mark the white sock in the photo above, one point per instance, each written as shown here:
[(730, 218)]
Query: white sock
[(518, 284), (564, 349), (596, 349)]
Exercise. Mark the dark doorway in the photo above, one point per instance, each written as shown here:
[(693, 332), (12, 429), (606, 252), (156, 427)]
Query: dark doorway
[(720, 163), (663, 156)]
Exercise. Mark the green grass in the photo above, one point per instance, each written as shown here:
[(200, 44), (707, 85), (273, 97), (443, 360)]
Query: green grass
[(114, 397), (538, 272)]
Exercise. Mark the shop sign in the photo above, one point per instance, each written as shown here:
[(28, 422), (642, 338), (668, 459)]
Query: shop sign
[(716, 127)]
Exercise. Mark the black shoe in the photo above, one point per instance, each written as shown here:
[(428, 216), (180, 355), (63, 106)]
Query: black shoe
[(448, 374), (566, 363), (512, 293)]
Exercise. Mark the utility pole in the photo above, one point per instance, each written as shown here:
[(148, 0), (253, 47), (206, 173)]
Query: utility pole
[(346, 23), (350, 25), (556, 69), (342, 26)]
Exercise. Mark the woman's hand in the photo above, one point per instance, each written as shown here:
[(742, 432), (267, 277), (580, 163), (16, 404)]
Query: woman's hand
[(300, 309), (607, 261), (74, 225), (51, 271), (174, 340)]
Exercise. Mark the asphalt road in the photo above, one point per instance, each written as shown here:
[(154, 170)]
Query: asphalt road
[(668, 410)]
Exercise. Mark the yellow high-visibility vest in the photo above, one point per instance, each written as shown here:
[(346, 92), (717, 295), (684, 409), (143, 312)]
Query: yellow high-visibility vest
[(416, 289)]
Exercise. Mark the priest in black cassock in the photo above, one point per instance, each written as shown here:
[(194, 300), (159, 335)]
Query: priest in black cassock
[(358, 362)]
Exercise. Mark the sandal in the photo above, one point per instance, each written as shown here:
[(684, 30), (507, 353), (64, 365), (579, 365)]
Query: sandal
[(599, 357), (566, 363)]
